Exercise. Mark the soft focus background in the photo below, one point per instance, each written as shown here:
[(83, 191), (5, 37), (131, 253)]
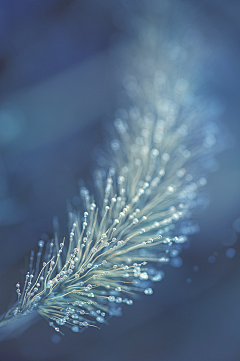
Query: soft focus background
[(57, 82)]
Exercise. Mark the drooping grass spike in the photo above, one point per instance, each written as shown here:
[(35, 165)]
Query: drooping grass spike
[(156, 165)]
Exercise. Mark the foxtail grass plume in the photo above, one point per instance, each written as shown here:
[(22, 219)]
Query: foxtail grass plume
[(148, 182)]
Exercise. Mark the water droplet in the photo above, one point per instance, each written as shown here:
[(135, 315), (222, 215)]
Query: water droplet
[(195, 268), (158, 276), (40, 243), (228, 237), (148, 291), (129, 302), (211, 259), (165, 157), (176, 262), (143, 276), (230, 253), (75, 329), (100, 319)]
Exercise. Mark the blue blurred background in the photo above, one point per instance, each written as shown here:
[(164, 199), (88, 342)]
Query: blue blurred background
[(57, 82)]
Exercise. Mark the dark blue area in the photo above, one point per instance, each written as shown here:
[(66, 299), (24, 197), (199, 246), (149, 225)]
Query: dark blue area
[(193, 314)]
